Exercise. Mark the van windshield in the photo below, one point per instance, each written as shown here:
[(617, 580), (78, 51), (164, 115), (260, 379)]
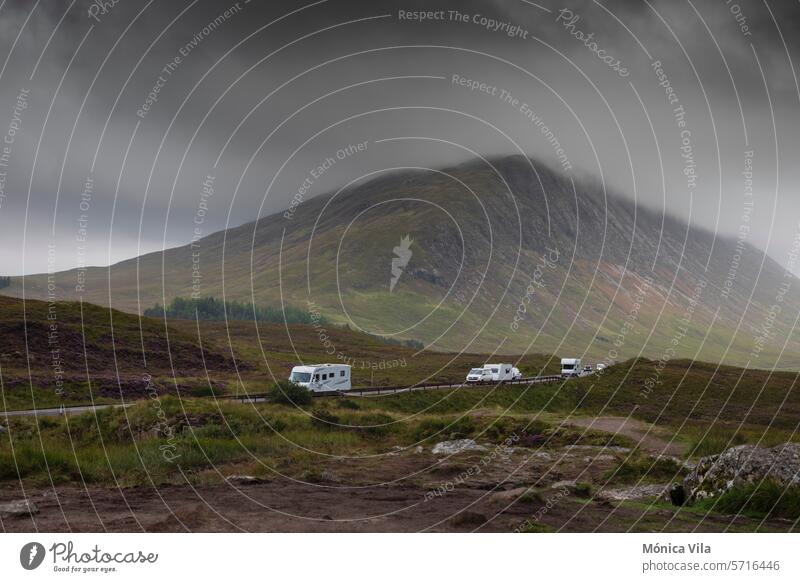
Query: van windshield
[(300, 377), (476, 371), (494, 370), (568, 366)]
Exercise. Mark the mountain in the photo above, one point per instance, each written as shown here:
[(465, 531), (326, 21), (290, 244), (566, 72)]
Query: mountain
[(504, 257)]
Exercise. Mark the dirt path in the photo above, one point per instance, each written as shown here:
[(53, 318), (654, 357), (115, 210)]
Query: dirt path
[(651, 439)]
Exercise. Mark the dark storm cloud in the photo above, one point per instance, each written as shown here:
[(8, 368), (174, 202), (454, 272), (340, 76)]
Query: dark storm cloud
[(94, 78)]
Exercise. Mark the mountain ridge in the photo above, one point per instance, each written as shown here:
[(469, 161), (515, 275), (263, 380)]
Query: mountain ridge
[(479, 234)]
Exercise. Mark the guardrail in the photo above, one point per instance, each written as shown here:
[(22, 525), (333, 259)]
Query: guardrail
[(412, 388)]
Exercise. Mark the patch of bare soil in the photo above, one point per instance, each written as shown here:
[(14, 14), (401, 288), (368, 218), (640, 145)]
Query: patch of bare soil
[(651, 440), (495, 490)]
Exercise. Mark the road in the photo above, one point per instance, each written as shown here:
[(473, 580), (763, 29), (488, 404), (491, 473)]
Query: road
[(62, 410), (354, 392)]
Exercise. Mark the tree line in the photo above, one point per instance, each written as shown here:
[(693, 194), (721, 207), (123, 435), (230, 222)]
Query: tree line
[(209, 308)]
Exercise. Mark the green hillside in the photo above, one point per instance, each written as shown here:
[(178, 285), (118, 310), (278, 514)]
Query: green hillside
[(504, 259)]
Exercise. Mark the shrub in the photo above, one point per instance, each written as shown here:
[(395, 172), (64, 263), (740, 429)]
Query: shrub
[(463, 428), (532, 497), (716, 441), (637, 467), (428, 428), (285, 392), (766, 499), (324, 420), (468, 519), (535, 527), (583, 489), (375, 425), (348, 404), (205, 391)]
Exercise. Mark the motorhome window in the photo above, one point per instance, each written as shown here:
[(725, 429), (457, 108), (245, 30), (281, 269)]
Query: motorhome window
[(494, 370), (300, 377), (316, 377), (341, 373), (568, 366)]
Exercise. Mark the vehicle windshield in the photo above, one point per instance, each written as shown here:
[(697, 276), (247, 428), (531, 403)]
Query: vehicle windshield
[(568, 366), (300, 377), (476, 371), (494, 370)]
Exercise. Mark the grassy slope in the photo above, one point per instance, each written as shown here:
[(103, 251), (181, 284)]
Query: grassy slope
[(235, 356)]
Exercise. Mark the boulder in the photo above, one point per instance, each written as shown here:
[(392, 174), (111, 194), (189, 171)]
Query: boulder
[(743, 465), (18, 508), (243, 480), (457, 446), (633, 492)]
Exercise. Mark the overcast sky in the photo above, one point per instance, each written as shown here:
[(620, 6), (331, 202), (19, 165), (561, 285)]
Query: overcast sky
[(266, 91)]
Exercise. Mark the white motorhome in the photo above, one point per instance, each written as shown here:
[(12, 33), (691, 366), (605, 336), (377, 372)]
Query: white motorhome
[(500, 372), (322, 377), (493, 373), (570, 367)]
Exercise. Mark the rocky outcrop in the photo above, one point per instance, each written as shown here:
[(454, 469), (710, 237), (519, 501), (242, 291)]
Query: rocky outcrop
[(741, 466)]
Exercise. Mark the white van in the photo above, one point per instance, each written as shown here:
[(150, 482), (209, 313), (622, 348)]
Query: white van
[(322, 377), (570, 367), (516, 374), (477, 375)]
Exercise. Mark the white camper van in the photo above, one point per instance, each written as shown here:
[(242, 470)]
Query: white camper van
[(322, 377), (493, 373), (500, 372), (570, 367)]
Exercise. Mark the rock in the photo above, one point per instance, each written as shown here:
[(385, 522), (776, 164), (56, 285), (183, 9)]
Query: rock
[(599, 458), (18, 508), (743, 465), (509, 495), (243, 479), (457, 446), (635, 492), (328, 476)]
